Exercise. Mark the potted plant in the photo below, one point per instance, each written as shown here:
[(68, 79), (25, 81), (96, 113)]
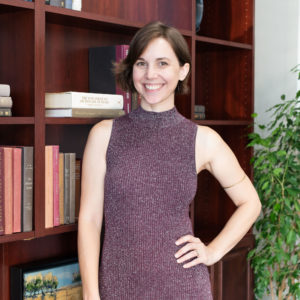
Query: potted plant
[(276, 164)]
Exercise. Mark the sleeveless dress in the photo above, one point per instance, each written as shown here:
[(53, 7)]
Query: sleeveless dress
[(150, 181)]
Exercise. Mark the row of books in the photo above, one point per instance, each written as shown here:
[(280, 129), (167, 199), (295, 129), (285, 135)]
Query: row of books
[(16, 189), (71, 4), (5, 101), (62, 187), (199, 112)]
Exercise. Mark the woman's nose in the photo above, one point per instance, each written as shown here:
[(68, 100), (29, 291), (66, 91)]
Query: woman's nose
[(151, 72)]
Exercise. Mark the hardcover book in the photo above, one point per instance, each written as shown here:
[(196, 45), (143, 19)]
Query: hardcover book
[(83, 100), (4, 90), (55, 150), (67, 188), (48, 186), (5, 112), (17, 183), (27, 188), (84, 113), (61, 189), (6, 102), (101, 77)]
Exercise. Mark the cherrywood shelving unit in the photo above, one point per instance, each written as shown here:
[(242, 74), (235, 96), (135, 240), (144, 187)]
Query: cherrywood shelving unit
[(45, 49)]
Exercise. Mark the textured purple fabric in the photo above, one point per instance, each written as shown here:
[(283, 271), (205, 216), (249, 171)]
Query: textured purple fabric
[(150, 181)]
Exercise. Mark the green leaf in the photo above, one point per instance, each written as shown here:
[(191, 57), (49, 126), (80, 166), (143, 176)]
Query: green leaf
[(291, 237), (277, 171), (254, 115), (282, 97)]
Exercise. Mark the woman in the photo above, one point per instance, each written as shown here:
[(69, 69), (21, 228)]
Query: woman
[(140, 172)]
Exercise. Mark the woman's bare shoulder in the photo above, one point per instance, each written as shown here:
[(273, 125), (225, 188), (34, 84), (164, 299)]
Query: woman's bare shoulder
[(208, 137), (100, 134)]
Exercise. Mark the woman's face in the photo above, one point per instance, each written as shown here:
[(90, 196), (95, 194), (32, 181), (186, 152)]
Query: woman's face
[(156, 73)]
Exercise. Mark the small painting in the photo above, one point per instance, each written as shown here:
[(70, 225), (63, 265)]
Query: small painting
[(52, 280)]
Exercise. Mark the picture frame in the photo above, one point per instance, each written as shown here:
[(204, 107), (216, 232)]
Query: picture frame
[(46, 280)]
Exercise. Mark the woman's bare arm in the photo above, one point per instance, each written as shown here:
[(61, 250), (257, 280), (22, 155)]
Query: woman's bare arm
[(213, 154), (91, 207)]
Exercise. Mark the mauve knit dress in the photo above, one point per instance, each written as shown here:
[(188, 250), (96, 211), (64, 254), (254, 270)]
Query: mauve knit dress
[(150, 181)]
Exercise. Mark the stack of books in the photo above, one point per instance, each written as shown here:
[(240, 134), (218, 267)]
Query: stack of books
[(16, 189), (83, 105), (5, 101), (71, 4), (62, 187), (199, 112)]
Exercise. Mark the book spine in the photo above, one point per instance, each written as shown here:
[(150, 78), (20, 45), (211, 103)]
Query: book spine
[(27, 188), (61, 189), (1, 191), (77, 188), (48, 186), (83, 100), (4, 90), (96, 113), (72, 187), (55, 150), (6, 102), (121, 53), (67, 188), (5, 112), (8, 195), (17, 161)]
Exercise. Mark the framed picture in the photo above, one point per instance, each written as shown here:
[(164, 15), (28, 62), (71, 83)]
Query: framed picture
[(46, 280)]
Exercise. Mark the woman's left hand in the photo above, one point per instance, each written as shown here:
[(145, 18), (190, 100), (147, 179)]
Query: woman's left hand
[(194, 249)]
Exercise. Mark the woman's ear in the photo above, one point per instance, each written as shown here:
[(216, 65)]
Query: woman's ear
[(184, 70)]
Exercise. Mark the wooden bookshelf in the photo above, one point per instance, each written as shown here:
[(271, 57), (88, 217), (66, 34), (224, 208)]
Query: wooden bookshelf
[(45, 49)]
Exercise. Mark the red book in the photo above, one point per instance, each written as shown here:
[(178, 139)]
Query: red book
[(17, 187), (55, 150), (1, 191), (48, 186), (8, 194)]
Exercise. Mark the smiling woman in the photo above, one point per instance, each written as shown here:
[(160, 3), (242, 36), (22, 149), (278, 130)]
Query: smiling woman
[(140, 172)]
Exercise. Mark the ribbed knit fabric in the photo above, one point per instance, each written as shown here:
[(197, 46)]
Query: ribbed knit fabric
[(150, 181)]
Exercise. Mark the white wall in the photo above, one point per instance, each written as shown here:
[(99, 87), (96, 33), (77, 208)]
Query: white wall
[(277, 51)]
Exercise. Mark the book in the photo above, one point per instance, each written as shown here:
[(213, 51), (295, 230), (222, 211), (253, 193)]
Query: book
[(199, 115), (83, 100), (84, 113), (67, 188), (6, 102), (8, 190), (17, 184), (4, 90), (61, 189), (76, 5), (48, 186), (101, 77), (55, 161), (58, 3), (72, 186), (77, 187), (1, 192), (27, 189), (199, 108), (5, 112)]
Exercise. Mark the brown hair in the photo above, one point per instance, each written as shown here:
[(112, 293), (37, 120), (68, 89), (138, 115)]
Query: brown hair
[(123, 69)]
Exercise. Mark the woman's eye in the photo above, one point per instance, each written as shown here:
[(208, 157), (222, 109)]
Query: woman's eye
[(140, 63), (163, 63)]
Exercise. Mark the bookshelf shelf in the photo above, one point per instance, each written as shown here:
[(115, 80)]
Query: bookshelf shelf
[(11, 5), (16, 237), (215, 41), (45, 49), (16, 120), (224, 122)]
